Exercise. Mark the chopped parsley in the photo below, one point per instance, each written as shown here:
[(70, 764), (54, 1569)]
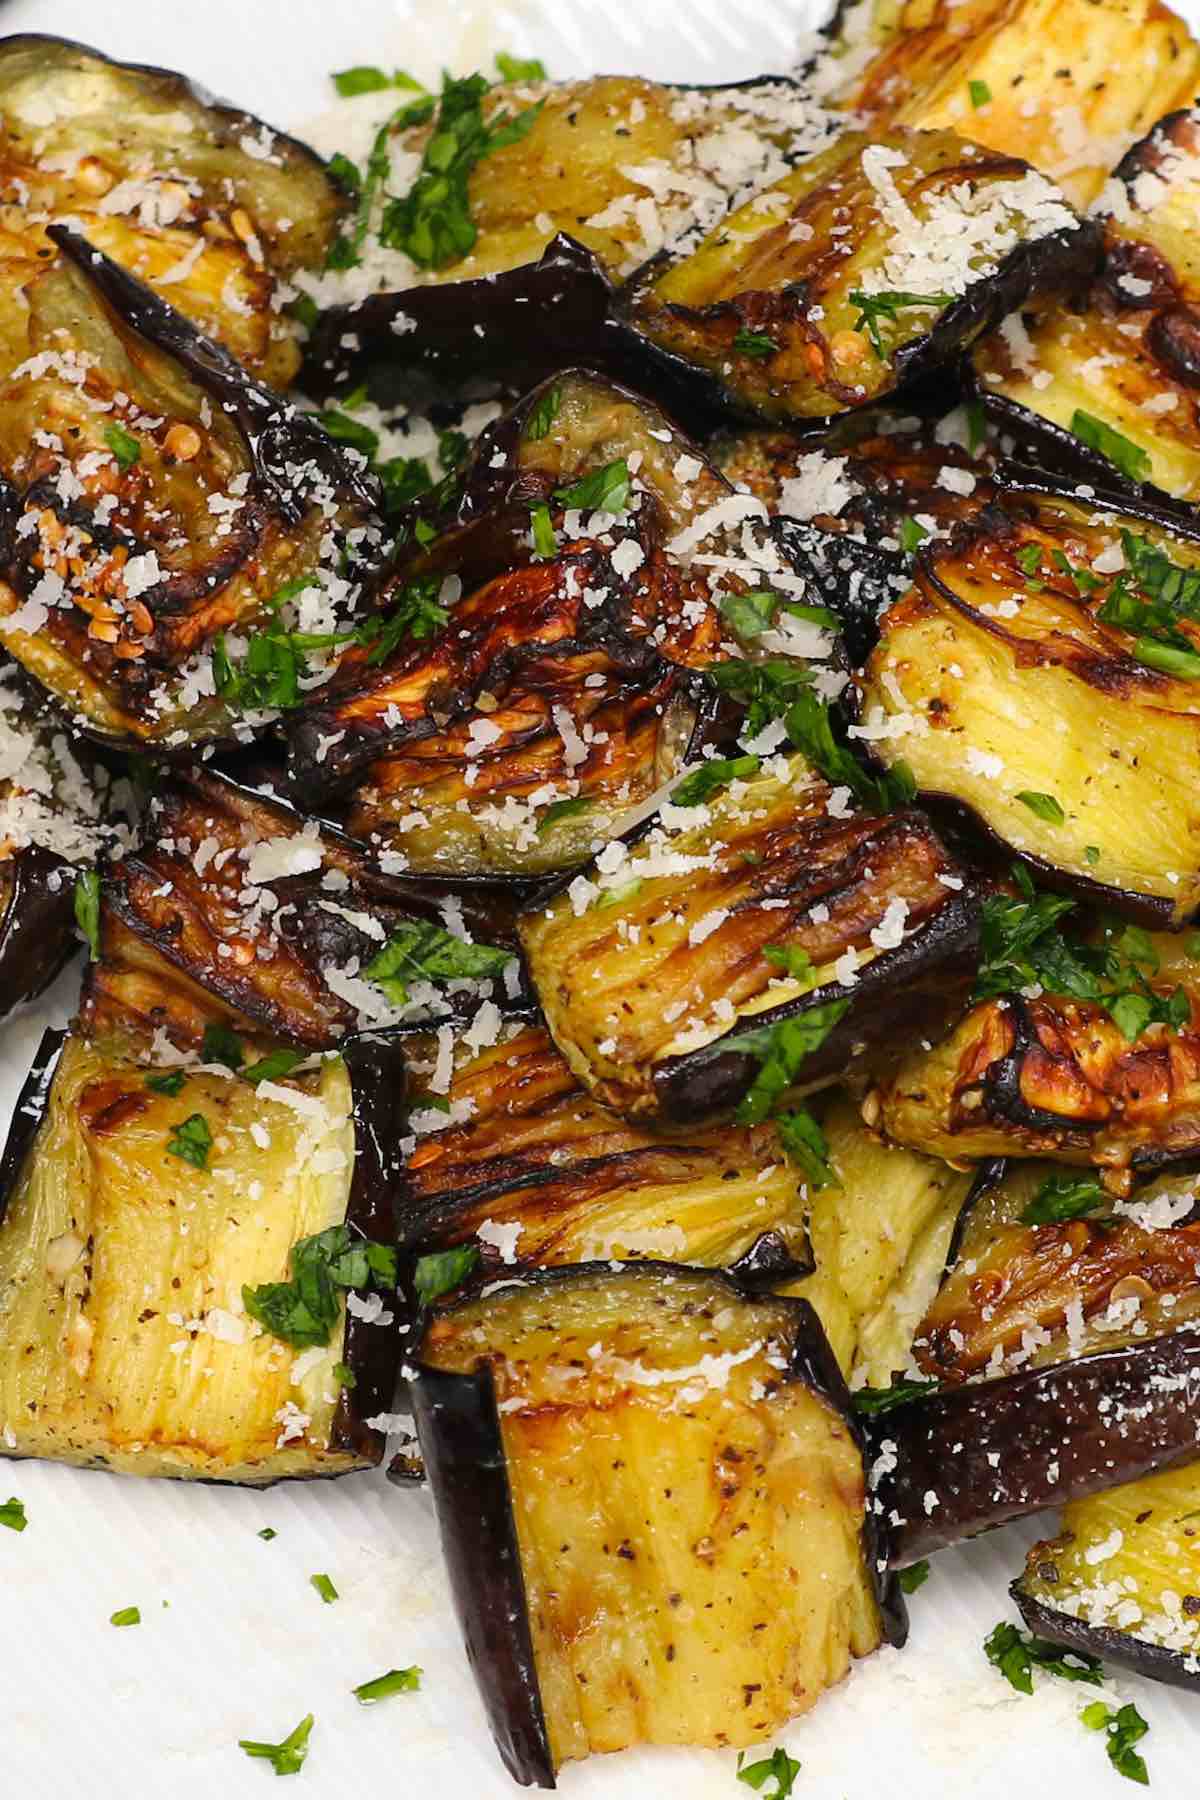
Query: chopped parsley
[(915, 1576), (779, 1768), (191, 1141), (1063, 1197), (270, 1067), (366, 79), (1017, 1653), (805, 1144), (416, 614), (749, 615), (781, 1049), (123, 445), (267, 1533), (1124, 1727), (366, 187), (1129, 457), (516, 68), (171, 1084), (344, 1375), (545, 538), (872, 1401), (442, 1270), (810, 727), (128, 1615), (303, 1311), (1091, 855), (564, 809), (976, 425), (712, 776), (1043, 806), (270, 672), (432, 224), (604, 490), (12, 1514), (1029, 558), (616, 896), (1167, 659), (87, 909), (422, 951), (873, 307), (910, 535), (980, 93), (396, 1681), (765, 688), (221, 1045), (288, 1757), (1148, 599), (324, 1587), (541, 416), (793, 961), (753, 343)]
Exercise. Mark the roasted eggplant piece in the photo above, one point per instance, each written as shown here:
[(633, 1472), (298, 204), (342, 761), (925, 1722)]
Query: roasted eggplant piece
[(200, 200), (682, 999), (1121, 1581), (966, 1459), (177, 504), (237, 913), (1049, 1266), (872, 264), (538, 1174), (632, 1467), (879, 1233), (1112, 386), (596, 177), (1035, 78), (139, 1202), (1040, 676)]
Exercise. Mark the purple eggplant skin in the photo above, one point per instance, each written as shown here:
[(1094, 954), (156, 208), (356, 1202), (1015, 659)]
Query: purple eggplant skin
[(379, 1090), (29, 1112), (912, 991), (463, 1450), (1120, 1647), (278, 436), (1052, 449), (37, 929), (970, 1458)]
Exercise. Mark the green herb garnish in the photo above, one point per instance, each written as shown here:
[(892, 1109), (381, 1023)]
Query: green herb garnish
[(873, 307), (12, 1514), (1044, 806), (128, 1615), (1063, 1197), (221, 1045), (344, 1375), (288, 1757), (616, 896), (427, 952), (1129, 457), (749, 615), (191, 1141), (267, 1533), (712, 776), (873, 1401), (779, 1768), (766, 688), (810, 727), (980, 93), (806, 1145), (1125, 1727), (271, 1067), (910, 535), (396, 1681), (1029, 558), (346, 250), (442, 1270), (793, 961), (303, 1311), (324, 1587), (545, 539), (87, 909), (542, 415), (915, 1576), (604, 490), (171, 1084), (368, 80), (781, 1049), (753, 343), (1017, 1653), (564, 809), (516, 68), (123, 445)]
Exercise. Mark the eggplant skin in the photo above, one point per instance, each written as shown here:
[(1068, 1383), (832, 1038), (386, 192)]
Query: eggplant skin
[(913, 64), (973, 656), (578, 1183), (646, 1035), (1120, 1579), (487, 1367), (964, 1460), (37, 923), (811, 355), (117, 1348)]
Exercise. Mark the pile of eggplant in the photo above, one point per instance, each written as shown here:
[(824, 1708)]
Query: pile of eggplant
[(657, 942)]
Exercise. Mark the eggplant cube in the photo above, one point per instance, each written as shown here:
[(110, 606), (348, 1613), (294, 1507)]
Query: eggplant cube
[(558, 1417), (132, 1220)]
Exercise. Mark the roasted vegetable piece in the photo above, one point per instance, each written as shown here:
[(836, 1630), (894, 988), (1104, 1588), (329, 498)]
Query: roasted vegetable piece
[(536, 1174), (1072, 1080), (177, 501), (879, 1232), (1056, 81), (944, 239), (592, 182), (1048, 1266), (966, 1459), (1122, 1579), (236, 912), (137, 1203), (1108, 390), (676, 938), (201, 200), (692, 1448), (1040, 675)]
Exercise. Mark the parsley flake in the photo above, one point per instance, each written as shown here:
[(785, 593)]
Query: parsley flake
[(1129, 457), (303, 1311), (873, 1401), (712, 776), (1125, 1727), (288, 1757), (422, 951), (1063, 1197), (754, 343), (435, 1274), (324, 1587), (806, 1146), (12, 1514), (128, 1615), (915, 1576), (123, 445), (873, 307), (541, 416), (781, 1049), (171, 1083), (87, 909), (779, 1768), (1043, 806), (191, 1141), (396, 1681), (1017, 1653), (979, 92), (604, 490)]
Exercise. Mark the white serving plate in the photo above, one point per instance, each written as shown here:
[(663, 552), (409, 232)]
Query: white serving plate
[(234, 1642)]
